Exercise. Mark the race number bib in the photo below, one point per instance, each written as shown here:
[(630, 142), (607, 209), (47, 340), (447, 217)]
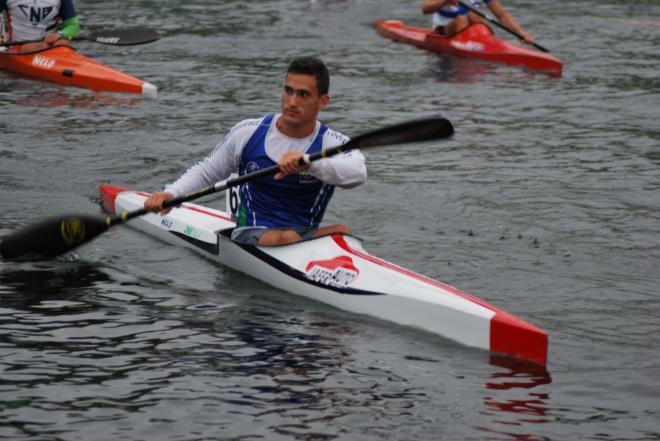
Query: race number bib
[(232, 199)]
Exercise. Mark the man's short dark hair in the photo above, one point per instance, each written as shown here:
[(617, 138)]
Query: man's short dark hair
[(312, 66)]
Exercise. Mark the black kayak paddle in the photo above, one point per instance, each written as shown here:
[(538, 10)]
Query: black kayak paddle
[(60, 234)]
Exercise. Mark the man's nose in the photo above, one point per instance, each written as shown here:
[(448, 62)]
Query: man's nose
[(293, 99)]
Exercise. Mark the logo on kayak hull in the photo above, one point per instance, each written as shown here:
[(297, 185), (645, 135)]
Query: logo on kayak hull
[(44, 62), (339, 271), (471, 46)]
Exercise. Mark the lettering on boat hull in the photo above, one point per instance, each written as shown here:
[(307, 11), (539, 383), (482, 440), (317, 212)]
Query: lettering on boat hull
[(45, 62), (339, 271)]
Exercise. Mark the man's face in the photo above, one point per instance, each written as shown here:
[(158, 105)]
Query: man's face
[(301, 101)]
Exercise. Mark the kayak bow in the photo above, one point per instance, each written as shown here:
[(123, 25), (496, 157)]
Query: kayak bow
[(336, 270), (476, 41)]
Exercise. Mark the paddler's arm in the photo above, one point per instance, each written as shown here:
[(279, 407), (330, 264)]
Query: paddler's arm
[(3, 6), (345, 170), (70, 28), (507, 20), (217, 165), (70, 24), (431, 6)]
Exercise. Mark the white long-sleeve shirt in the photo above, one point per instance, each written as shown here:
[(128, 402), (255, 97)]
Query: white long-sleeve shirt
[(345, 170)]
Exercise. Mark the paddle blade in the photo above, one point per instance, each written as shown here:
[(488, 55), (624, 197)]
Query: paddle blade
[(123, 37), (52, 237), (419, 130)]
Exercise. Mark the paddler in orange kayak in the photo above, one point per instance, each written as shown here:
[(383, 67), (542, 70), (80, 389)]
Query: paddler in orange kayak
[(37, 21), (450, 16)]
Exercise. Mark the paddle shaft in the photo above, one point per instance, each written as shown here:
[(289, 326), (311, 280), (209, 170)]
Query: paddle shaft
[(417, 130), (119, 37), (497, 23)]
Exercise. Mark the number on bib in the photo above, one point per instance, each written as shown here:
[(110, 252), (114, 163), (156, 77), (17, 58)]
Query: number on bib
[(232, 199)]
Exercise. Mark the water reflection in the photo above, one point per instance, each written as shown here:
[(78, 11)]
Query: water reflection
[(20, 91), (122, 351), (449, 69), (28, 282), (517, 399), (461, 70)]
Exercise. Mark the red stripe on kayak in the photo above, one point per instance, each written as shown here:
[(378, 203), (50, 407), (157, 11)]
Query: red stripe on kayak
[(199, 210), (339, 239), (508, 333)]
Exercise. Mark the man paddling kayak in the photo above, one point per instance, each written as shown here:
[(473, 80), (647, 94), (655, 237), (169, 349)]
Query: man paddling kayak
[(289, 206), (450, 16), (39, 20)]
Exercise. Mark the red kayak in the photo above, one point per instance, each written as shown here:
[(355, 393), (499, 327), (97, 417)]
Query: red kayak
[(63, 65), (476, 41)]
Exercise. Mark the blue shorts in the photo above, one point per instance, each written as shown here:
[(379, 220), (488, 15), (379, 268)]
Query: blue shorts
[(251, 235)]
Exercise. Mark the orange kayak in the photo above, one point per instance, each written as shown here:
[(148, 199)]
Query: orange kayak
[(63, 65), (476, 41)]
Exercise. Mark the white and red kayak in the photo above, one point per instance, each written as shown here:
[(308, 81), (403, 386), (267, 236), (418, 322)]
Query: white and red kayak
[(336, 270)]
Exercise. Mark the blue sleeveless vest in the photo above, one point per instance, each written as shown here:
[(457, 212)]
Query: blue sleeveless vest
[(297, 201)]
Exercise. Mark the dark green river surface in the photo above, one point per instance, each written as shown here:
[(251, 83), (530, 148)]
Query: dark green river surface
[(545, 203)]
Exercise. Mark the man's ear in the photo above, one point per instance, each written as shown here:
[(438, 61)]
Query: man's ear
[(324, 100)]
